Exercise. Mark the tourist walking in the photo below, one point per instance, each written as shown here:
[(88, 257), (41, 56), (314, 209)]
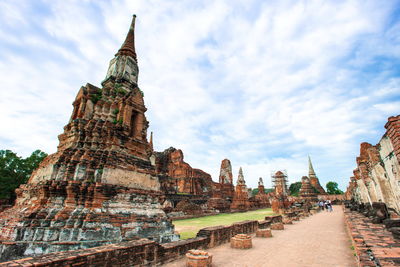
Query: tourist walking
[(321, 205), (328, 204)]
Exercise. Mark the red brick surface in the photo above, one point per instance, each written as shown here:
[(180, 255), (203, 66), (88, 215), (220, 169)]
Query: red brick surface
[(373, 244)]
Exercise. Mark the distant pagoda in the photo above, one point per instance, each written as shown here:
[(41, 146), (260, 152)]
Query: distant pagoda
[(314, 179), (241, 197)]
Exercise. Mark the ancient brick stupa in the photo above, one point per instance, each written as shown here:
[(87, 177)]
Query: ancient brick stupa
[(314, 179), (100, 186), (226, 179), (261, 196), (222, 192), (307, 192), (241, 198), (280, 201)]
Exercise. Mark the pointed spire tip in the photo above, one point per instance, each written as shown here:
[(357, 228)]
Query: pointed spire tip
[(128, 47)]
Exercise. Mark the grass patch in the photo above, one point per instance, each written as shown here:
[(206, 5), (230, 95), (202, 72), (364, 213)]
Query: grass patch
[(188, 228)]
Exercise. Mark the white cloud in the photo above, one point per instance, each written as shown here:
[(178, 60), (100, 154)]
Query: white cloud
[(264, 84)]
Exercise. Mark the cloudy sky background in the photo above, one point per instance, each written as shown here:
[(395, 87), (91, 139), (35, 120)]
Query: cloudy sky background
[(263, 83)]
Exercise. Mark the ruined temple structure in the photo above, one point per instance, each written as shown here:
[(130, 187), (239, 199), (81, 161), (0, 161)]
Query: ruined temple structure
[(225, 174), (179, 176), (280, 201), (261, 197), (314, 179), (223, 192), (280, 180), (307, 191), (241, 198), (101, 185), (377, 176)]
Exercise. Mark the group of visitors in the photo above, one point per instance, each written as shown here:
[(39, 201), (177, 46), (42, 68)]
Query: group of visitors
[(327, 205)]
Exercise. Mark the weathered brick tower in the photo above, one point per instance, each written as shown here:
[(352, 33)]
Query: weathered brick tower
[(307, 192), (241, 198), (261, 196), (100, 186), (280, 200)]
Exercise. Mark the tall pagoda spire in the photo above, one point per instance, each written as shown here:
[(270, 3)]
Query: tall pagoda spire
[(123, 67), (128, 47), (311, 172), (313, 178)]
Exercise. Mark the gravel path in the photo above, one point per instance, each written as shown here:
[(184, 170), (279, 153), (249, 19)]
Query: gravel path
[(320, 240)]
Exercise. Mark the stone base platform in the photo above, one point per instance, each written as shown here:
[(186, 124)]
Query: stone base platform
[(264, 233), (67, 215), (241, 241), (287, 220), (277, 226), (198, 258)]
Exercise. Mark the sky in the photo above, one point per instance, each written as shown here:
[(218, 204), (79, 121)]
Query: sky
[(263, 83)]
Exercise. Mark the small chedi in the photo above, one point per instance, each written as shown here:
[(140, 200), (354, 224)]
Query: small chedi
[(101, 185), (377, 176), (261, 197), (307, 191), (241, 198)]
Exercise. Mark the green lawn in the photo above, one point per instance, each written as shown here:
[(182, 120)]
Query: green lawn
[(188, 228)]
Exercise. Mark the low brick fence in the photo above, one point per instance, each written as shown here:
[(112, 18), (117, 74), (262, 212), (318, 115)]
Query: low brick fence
[(144, 252), (373, 244), (218, 235)]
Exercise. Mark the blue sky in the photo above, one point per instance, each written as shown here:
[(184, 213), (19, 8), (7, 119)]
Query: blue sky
[(263, 83)]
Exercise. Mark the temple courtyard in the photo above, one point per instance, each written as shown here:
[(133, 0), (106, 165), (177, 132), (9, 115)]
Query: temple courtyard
[(319, 240), (188, 228)]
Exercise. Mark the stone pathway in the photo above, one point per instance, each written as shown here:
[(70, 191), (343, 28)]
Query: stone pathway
[(320, 240)]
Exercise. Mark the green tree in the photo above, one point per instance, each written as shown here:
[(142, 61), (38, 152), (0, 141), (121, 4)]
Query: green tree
[(333, 189), (266, 190), (294, 188), (15, 170)]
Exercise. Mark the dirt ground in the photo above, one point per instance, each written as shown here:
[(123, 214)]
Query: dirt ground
[(320, 240)]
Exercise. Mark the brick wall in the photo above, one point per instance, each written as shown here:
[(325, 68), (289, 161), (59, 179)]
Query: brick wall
[(144, 252), (393, 132)]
